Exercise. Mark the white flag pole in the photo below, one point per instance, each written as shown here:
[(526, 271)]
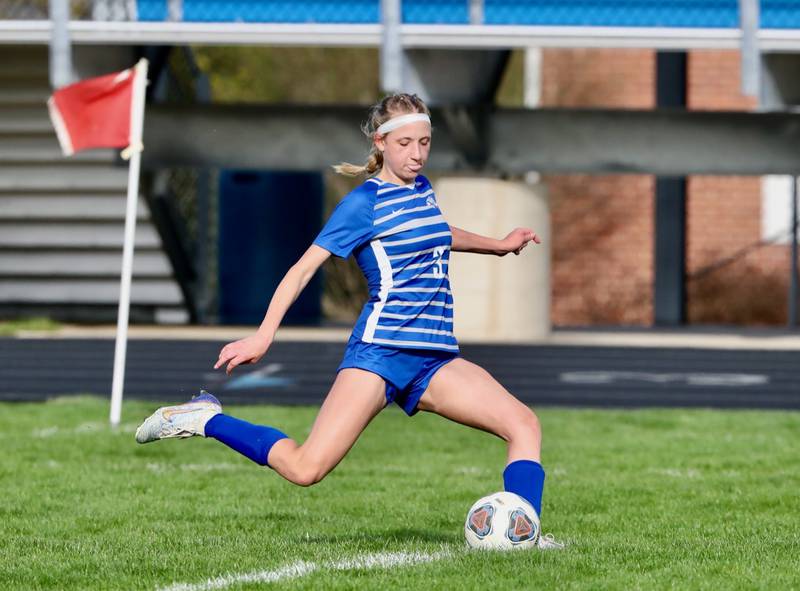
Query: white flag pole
[(134, 151)]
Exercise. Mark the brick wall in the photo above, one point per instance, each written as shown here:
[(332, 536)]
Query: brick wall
[(732, 279), (714, 82), (602, 225)]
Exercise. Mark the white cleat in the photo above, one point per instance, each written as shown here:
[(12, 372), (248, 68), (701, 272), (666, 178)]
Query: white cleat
[(183, 420), (548, 542)]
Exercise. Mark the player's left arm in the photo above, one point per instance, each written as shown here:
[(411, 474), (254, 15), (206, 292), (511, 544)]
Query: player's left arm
[(515, 241)]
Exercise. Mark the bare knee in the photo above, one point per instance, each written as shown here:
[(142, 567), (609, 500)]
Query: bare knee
[(308, 478), (524, 426), (306, 473)]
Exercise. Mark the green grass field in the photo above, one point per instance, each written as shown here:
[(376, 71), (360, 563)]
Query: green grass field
[(657, 499)]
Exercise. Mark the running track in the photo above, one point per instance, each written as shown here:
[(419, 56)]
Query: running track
[(301, 373)]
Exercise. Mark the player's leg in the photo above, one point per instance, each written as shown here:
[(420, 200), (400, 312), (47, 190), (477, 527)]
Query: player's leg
[(354, 399), (466, 393)]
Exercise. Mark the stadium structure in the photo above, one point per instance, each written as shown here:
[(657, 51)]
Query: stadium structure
[(62, 220)]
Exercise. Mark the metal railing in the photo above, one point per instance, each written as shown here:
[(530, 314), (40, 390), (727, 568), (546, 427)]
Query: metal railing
[(446, 24), (775, 14)]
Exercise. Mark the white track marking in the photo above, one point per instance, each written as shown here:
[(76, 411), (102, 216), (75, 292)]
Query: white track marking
[(691, 379), (301, 569)]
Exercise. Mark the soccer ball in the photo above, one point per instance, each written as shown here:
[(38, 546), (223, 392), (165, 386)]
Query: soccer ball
[(502, 521)]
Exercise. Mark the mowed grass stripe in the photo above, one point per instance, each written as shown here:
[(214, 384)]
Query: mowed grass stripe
[(645, 499)]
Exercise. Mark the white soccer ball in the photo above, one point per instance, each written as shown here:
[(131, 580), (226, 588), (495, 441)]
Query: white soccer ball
[(502, 521)]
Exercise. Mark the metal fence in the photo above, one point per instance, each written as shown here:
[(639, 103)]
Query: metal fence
[(613, 13), (191, 193)]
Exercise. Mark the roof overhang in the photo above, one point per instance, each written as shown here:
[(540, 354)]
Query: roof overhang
[(413, 36), (304, 137)]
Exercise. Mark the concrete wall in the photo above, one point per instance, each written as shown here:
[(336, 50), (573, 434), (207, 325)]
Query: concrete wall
[(499, 299)]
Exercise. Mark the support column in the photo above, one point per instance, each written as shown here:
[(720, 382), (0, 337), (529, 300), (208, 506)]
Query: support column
[(499, 299), (670, 256), (793, 287), (670, 207), (392, 56), (61, 72)]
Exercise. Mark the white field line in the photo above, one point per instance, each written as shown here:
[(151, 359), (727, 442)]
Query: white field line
[(292, 571), (473, 471), (44, 432), (386, 560), (676, 472), (92, 428), (300, 569), (162, 467)]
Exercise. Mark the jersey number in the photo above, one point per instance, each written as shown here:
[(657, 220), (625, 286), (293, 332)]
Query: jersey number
[(438, 265)]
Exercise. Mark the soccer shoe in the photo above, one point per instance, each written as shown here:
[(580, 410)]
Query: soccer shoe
[(183, 420), (547, 542)]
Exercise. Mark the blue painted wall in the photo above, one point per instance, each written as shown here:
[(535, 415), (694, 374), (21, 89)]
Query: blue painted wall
[(267, 220)]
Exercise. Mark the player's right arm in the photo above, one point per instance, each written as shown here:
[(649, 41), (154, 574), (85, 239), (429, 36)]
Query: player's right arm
[(350, 225), (253, 348)]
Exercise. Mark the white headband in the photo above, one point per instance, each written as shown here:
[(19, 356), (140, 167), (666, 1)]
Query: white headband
[(396, 122)]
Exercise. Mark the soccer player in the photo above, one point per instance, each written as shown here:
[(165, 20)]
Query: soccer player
[(402, 348)]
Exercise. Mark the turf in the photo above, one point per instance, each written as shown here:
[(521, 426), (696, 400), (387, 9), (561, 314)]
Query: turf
[(655, 499), (23, 325)]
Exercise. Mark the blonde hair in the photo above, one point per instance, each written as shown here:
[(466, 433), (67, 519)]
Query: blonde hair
[(390, 106)]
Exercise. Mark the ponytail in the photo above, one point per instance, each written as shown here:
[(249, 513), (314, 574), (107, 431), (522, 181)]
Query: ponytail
[(373, 164)]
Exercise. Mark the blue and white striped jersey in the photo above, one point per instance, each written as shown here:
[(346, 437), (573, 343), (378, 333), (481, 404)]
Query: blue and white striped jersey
[(402, 244)]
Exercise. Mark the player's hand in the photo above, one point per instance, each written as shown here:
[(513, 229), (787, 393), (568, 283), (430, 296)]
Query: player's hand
[(247, 350), (518, 239)]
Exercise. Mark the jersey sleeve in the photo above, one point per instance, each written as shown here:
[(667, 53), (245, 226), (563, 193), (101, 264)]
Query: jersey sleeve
[(349, 226)]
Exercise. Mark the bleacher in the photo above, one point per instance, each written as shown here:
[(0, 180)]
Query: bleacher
[(61, 219)]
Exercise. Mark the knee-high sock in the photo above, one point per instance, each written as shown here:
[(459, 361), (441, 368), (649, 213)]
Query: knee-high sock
[(252, 441), (525, 478)]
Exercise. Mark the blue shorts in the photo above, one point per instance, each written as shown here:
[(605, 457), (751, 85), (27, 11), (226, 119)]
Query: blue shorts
[(407, 372)]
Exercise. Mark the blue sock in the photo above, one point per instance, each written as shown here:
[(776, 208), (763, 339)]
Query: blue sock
[(525, 478), (253, 441)]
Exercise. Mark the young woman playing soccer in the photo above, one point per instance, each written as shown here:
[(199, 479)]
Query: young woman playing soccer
[(402, 348)]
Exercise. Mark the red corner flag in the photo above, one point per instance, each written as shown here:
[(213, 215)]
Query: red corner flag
[(108, 112), (98, 112)]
